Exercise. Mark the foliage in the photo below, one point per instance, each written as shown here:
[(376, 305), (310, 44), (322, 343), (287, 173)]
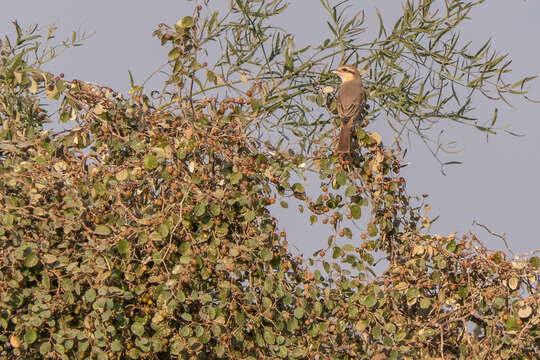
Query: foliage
[(146, 230)]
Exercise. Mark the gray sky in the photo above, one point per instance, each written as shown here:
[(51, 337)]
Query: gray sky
[(496, 185)]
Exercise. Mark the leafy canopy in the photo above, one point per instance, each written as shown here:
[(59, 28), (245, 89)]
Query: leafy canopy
[(145, 231)]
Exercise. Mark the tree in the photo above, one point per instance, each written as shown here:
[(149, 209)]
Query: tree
[(145, 230)]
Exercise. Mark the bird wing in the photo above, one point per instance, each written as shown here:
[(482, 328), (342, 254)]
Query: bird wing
[(351, 100)]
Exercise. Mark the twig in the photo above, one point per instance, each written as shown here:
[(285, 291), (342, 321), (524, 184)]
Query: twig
[(502, 237), (442, 342)]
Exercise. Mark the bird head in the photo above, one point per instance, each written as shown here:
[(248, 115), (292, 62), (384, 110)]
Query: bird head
[(348, 73)]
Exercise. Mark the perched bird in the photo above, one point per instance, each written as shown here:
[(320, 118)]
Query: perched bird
[(351, 102)]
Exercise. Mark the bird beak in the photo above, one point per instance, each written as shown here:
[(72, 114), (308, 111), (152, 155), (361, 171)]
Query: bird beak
[(335, 72)]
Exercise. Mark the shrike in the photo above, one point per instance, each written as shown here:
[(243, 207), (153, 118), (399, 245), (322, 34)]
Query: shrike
[(351, 102)]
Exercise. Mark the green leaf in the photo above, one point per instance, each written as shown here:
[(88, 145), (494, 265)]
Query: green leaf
[(370, 300), (463, 350), (186, 331), (390, 327), (269, 285), (298, 352), (102, 230), (351, 191), (235, 178), (360, 134), (451, 246), (164, 230), (534, 262), (326, 267), (298, 312), (31, 260), (156, 236), (150, 161), (250, 215), (240, 319), (369, 259), (318, 308), (511, 324), (412, 293), (44, 348), (348, 247), (267, 303), (186, 22), (123, 247), (356, 211), (30, 335), (174, 53), (90, 295), (400, 335), (116, 346), (499, 301), (220, 350), (372, 230), (215, 210), (282, 352), (299, 188), (211, 76), (425, 303), (255, 104), (64, 117), (269, 337), (292, 324), (341, 179), (463, 291), (266, 254), (376, 332), (199, 209), (216, 330), (137, 329), (199, 331)]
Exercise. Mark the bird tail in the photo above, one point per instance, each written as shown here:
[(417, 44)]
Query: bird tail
[(344, 145)]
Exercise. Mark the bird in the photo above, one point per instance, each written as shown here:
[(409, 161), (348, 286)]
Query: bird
[(351, 102)]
